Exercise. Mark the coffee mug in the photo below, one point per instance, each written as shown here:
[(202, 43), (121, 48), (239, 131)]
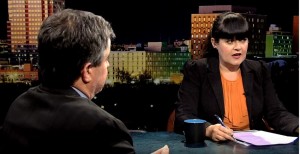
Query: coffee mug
[(194, 132)]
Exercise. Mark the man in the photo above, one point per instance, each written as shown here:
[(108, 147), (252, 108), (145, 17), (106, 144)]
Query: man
[(58, 115)]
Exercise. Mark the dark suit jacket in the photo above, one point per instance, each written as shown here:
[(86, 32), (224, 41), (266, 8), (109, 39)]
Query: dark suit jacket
[(50, 120), (201, 96)]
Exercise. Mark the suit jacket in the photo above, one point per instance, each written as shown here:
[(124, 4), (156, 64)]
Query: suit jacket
[(44, 120), (201, 96)]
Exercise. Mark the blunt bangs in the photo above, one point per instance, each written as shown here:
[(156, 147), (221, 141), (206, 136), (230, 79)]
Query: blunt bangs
[(233, 26)]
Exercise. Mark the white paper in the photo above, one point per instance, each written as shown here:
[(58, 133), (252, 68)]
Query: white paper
[(261, 138)]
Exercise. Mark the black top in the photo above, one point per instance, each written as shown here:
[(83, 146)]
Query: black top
[(44, 120)]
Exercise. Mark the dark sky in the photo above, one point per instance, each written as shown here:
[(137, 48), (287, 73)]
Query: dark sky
[(165, 20)]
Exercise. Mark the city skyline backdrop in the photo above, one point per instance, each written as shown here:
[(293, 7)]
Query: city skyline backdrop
[(164, 20)]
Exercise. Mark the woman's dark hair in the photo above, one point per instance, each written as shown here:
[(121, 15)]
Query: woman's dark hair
[(228, 25)]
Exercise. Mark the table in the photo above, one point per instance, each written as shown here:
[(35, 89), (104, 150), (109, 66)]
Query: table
[(147, 142)]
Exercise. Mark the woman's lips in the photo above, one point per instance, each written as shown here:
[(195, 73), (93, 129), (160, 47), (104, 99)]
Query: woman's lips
[(237, 55)]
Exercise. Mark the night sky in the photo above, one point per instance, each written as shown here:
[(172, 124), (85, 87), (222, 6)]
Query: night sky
[(164, 20)]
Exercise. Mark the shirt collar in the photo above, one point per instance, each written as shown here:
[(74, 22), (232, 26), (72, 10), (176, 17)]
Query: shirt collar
[(80, 93)]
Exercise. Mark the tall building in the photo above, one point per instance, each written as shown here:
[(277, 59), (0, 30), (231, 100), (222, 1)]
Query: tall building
[(201, 24), (278, 43), (295, 47), (24, 20)]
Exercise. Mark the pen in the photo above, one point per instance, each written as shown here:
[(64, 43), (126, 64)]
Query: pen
[(241, 142), (220, 120), (234, 139)]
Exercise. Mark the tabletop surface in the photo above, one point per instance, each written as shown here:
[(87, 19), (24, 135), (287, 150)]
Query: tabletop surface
[(147, 142)]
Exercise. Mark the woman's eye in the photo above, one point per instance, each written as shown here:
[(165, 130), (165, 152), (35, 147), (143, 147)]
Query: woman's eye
[(229, 41)]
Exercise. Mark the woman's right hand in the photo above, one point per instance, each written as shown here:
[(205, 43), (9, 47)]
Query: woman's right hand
[(219, 133)]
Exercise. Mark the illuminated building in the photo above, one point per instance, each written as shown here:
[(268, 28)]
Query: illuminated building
[(296, 35), (133, 62), (24, 20), (278, 43), (161, 65), (18, 73)]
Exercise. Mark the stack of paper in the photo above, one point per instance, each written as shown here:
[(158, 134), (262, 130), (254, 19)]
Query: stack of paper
[(261, 138)]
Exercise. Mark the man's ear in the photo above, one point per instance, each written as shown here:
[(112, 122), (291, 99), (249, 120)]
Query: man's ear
[(86, 72)]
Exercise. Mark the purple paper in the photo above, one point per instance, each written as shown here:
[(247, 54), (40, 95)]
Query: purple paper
[(260, 138)]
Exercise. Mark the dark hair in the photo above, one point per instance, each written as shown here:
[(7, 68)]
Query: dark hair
[(66, 41), (228, 25)]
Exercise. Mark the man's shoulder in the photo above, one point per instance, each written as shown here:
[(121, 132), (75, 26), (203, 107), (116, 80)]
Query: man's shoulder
[(91, 110)]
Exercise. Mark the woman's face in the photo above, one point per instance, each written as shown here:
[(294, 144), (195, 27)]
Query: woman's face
[(231, 52)]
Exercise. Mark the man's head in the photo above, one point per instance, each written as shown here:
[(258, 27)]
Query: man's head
[(69, 42)]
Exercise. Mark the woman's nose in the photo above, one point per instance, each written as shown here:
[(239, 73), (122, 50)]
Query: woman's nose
[(237, 45)]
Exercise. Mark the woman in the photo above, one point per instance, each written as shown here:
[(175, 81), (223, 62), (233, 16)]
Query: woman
[(226, 84)]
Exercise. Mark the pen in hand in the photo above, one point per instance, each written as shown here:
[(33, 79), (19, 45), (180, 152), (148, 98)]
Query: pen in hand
[(220, 120), (235, 140)]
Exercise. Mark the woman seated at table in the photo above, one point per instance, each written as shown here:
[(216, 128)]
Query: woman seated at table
[(227, 84)]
